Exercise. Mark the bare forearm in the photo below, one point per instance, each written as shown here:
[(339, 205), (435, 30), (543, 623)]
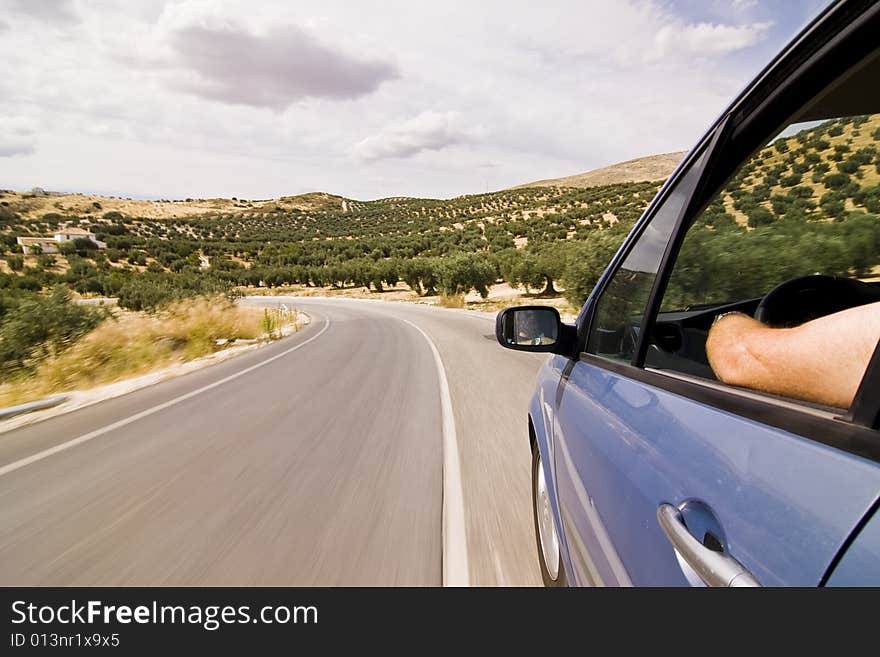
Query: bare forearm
[(821, 361)]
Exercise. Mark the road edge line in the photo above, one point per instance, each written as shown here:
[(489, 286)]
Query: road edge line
[(39, 456), (454, 562)]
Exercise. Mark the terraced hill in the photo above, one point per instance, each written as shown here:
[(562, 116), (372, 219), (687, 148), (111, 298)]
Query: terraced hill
[(821, 173), (827, 174)]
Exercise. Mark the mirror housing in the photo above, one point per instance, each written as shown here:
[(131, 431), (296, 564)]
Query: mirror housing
[(536, 329)]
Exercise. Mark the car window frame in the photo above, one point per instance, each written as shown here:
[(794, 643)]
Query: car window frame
[(783, 89), (678, 177), (865, 409), (687, 182)]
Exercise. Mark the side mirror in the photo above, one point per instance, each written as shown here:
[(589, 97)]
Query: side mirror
[(532, 328)]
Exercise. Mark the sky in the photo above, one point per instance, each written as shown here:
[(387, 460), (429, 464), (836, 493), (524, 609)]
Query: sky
[(262, 98)]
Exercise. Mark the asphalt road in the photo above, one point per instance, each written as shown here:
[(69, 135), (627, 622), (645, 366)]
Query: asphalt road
[(322, 459)]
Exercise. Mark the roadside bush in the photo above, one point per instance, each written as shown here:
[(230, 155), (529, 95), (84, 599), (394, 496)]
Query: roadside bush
[(136, 343), (38, 327), (463, 272), (148, 291), (585, 262)]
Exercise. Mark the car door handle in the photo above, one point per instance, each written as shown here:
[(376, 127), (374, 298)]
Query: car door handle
[(714, 568)]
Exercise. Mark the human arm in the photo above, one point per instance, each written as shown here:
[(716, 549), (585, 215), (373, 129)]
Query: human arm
[(821, 361)]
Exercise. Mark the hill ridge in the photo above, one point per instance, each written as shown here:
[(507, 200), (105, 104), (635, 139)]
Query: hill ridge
[(639, 169)]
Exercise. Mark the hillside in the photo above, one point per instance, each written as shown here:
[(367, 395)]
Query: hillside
[(641, 169), (37, 203), (816, 192)]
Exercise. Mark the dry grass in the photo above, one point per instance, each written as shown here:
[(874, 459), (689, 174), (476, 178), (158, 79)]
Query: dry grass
[(566, 310), (130, 344), (451, 301)]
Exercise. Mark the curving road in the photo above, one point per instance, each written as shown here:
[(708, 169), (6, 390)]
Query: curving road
[(322, 459)]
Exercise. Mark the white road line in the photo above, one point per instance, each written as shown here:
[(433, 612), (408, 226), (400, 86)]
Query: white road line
[(455, 557), (39, 456)]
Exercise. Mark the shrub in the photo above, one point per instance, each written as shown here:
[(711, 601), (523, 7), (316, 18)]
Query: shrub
[(790, 181), (760, 216), (832, 204), (870, 198), (134, 344), (47, 261), (149, 291), (780, 204), (836, 180), (801, 191), (83, 245), (42, 326), (848, 166), (90, 285)]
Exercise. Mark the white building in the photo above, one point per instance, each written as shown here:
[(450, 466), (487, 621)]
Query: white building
[(50, 244), (46, 244), (70, 234)]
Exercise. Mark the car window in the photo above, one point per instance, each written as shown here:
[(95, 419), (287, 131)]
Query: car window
[(621, 306), (807, 203)]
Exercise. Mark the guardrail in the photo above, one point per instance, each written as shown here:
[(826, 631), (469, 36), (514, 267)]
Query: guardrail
[(49, 402)]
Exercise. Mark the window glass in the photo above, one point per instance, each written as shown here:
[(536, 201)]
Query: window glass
[(807, 203), (621, 308)]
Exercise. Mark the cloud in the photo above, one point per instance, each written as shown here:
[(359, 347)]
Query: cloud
[(633, 34), (275, 69), (561, 87), (707, 38), (16, 137), (49, 11), (429, 131)]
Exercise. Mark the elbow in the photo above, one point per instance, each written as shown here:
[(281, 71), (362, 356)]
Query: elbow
[(731, 359)]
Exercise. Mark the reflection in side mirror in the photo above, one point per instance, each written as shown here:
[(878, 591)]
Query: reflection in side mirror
[(530, 328), (534, 327)]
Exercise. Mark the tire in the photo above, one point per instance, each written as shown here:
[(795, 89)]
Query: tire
[(545, 527)]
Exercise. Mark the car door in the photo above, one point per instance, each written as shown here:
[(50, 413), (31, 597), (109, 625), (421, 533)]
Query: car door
[(858, 565), (659, 468)]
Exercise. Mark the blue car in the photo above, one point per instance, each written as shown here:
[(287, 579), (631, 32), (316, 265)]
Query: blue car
[(648, 470)]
